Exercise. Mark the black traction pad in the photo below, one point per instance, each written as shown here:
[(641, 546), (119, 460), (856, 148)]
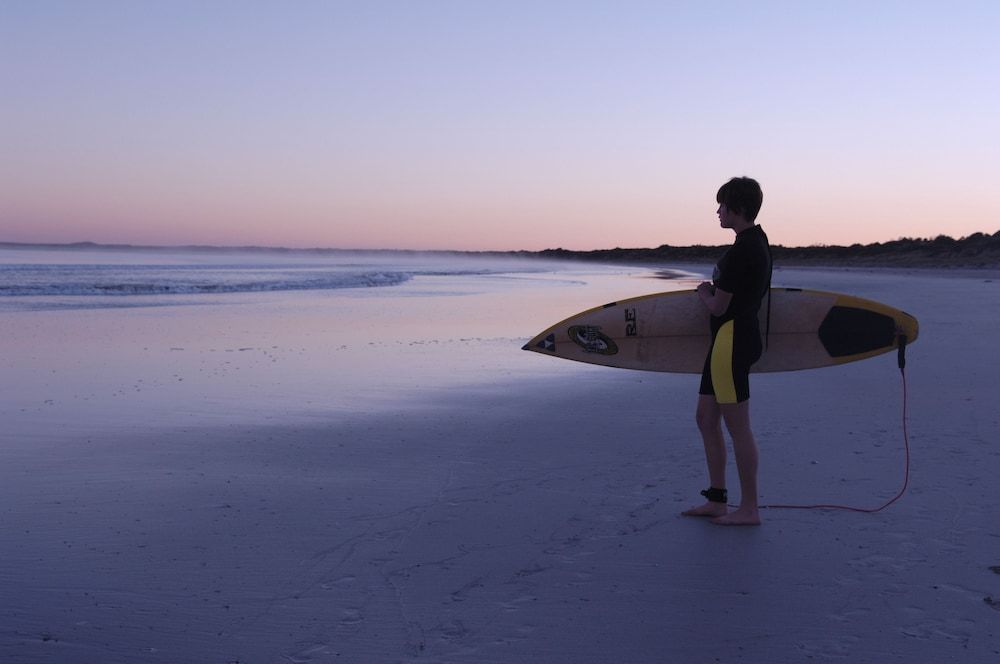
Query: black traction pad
[(852, 331)]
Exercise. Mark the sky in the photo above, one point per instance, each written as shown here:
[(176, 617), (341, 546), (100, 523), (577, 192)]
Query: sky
[(489, 125)]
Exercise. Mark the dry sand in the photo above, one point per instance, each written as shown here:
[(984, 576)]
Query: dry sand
[(532, 518)]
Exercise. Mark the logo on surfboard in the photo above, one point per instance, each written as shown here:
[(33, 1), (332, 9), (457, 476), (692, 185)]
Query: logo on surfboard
[(548, 343), (592, 340)]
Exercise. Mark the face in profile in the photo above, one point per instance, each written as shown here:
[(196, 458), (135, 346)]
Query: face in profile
[(727, 218)]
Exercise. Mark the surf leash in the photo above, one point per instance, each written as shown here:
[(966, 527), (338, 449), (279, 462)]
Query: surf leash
[(901, 361)]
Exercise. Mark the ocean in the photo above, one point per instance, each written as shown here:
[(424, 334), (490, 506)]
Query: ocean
[(129, 339), (89, 278)]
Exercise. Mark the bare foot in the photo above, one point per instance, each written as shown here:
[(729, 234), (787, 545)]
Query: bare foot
[(744, 516), (708, 509)]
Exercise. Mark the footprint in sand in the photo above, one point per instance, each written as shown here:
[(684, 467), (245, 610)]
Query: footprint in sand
[(312, 653), (516, 603), (342, 582), (833, 647), (351, 617), (452, 631), (462, 593)]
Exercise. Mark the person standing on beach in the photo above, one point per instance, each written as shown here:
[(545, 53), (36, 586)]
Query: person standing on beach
[(741, 280)]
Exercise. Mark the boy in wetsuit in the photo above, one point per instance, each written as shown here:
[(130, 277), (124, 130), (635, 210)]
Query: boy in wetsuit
[(740, 282)]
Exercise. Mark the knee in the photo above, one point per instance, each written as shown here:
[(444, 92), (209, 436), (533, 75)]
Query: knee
[(707, 419), (737, 420)]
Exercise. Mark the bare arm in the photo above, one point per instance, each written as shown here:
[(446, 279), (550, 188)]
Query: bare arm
[(715, 299)]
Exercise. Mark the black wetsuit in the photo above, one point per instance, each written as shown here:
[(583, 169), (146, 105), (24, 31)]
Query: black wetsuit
[(744, 271)]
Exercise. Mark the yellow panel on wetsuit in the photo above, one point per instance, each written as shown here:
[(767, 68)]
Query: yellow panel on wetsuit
[(722, 365)]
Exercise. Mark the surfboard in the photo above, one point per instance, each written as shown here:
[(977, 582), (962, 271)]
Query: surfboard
[(670, 332)]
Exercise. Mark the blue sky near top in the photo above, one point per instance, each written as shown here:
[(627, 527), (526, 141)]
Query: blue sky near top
[(494, 125)]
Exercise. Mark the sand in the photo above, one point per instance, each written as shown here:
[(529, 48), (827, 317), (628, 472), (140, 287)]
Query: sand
[(524, 510)]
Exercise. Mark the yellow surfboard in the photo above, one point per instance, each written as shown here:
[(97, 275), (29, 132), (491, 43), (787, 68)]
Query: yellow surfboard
[(670, 332)]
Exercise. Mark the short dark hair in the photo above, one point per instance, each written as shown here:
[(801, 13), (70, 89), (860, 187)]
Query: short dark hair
[(742, 196)]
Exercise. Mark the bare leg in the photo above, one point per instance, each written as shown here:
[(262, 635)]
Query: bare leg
[(709, 418), (737, 417)]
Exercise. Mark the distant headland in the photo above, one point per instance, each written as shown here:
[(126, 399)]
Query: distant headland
[(978, 250)]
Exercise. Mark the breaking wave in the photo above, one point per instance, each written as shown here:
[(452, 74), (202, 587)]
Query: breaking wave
[(119, 280)]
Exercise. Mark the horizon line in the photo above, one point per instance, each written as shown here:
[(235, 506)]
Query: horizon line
[(87, 244)]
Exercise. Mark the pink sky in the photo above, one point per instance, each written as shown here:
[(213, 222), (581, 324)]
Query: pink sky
[(471, 126)]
